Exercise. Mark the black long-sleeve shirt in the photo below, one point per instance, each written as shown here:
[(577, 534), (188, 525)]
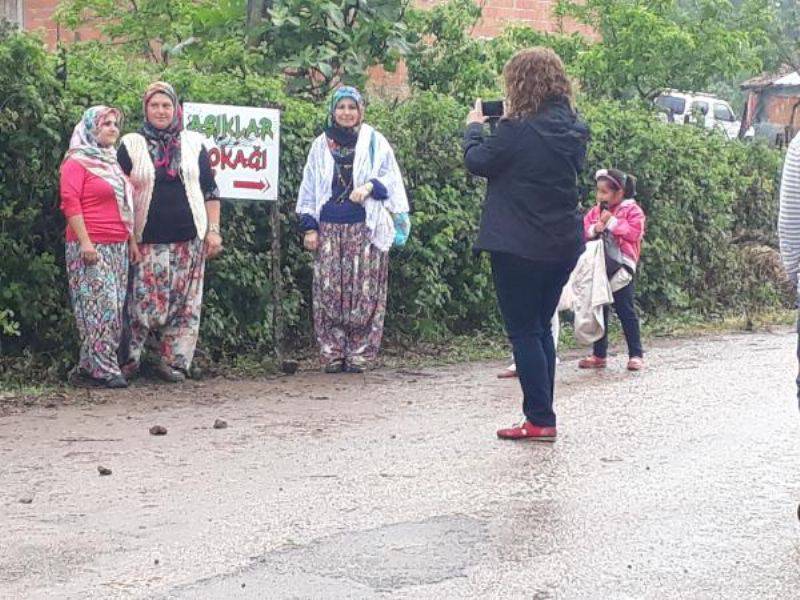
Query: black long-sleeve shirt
[(170, 217)]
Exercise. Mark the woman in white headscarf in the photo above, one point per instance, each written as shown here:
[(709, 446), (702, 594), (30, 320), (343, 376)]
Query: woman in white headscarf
[(351, 189)]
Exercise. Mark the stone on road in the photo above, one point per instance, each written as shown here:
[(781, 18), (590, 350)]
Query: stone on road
[(676, 482)]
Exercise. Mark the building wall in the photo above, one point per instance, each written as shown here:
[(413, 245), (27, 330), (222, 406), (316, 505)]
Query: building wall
[(779, 109), (773, 114), (537, 14), (38, 16)]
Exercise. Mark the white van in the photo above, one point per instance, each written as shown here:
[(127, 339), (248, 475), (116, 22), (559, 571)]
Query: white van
[(687, 107)]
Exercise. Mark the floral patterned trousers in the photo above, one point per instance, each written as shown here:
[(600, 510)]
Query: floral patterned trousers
[(351, 279), (164, 301), (98, 293)]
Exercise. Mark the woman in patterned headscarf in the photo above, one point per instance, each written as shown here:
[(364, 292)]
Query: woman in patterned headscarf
[(176, 224), (97, 203), (351, 187)]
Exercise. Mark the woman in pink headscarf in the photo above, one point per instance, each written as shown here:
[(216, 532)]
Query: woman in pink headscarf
[(97, 203)]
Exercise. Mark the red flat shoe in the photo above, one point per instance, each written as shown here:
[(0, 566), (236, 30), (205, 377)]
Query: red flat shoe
[(592, 362), (508, 374), (636, 363), (528, 431)]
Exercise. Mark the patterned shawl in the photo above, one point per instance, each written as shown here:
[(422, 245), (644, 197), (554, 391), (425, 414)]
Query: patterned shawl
[(102, 161), (164, 144)]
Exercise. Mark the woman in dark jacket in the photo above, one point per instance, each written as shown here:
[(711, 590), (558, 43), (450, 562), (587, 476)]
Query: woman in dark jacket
[(530, 224)]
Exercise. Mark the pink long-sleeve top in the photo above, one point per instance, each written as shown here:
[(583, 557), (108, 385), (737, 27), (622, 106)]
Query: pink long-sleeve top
[(627, 225), (84, 193)]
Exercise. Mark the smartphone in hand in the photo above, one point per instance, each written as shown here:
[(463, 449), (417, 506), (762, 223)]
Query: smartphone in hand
[(492, 109)]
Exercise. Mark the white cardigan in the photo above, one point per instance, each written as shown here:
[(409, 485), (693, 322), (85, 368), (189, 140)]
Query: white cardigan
[(374, 159), (586, 292), (143, 179)]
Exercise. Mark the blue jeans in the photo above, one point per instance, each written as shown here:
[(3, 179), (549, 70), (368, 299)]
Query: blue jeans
[(626, 311), (528, 294)]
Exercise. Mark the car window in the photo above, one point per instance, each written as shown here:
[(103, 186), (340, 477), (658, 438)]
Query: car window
[(723, 113), (701, 106), (673, 103)]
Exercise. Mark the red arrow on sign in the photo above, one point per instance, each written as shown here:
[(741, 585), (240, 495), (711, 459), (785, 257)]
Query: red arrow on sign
[(252, 185)]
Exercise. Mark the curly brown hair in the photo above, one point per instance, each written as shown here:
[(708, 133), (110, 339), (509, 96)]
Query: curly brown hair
[(532, 77)]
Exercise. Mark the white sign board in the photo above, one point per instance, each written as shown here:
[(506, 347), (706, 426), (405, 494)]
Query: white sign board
[(243, 144)]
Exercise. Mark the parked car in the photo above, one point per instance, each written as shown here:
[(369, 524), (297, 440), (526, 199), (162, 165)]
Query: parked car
[(690, 107)]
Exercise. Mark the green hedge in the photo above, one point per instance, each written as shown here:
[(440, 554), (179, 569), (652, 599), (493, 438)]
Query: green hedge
[(33, 309), (702, 194)]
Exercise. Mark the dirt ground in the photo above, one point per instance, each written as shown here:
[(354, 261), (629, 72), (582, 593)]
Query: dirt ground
[(677, 482)]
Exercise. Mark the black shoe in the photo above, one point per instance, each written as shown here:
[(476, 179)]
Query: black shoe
[(79, 378), (169, 374), (335, 366), (117, 382), (355, 365)]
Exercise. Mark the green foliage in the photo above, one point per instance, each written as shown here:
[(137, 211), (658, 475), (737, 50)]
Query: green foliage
[(8, 326), (97, 75), (786, 32), (33, 312), (706, 197), (450, 60), (320, 44), (315, 44), (702, 193), (154, 29), (647, 46), (778, 22), (453, 62)]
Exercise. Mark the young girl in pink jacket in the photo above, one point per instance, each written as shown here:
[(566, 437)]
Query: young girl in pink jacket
[(619, 219)]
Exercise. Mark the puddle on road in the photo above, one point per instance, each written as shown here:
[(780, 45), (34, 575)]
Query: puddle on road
[(357, 565)]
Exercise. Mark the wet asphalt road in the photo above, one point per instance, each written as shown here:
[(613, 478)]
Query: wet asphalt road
[(678, 482)]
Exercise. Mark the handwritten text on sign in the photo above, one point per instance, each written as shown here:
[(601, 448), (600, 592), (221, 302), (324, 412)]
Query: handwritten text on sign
[(243, 144)]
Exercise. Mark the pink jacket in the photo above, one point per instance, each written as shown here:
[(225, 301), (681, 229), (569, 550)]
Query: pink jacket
[(627, 227)]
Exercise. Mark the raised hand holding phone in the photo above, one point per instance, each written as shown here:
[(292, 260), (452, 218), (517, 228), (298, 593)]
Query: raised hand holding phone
[(476, 114)]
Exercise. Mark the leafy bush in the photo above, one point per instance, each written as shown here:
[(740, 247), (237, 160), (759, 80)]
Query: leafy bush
[(455, 63), (438, 286), (700, 191), (708, 201), (315, 45), (645, 46), (32, 134)]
